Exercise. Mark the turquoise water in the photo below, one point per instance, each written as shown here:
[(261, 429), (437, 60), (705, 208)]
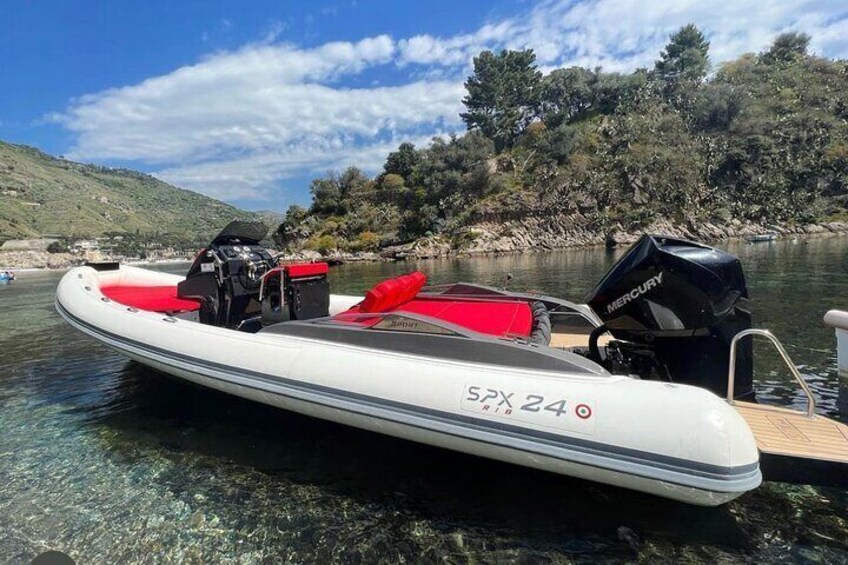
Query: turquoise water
[(114, 463)]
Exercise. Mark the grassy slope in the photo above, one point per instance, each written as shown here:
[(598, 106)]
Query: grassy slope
[(88, 200)]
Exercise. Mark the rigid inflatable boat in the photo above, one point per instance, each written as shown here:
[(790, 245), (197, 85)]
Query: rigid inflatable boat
[(523, 378)]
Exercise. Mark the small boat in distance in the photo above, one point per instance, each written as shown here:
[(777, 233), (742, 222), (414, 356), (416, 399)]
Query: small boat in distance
[(631, 389), (7, 276), (761, 237)]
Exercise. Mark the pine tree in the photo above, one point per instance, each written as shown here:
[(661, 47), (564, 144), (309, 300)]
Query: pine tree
[(503, 95), (685, 57)]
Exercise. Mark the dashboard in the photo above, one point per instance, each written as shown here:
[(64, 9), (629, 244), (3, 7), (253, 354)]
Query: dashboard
[(242, 265)]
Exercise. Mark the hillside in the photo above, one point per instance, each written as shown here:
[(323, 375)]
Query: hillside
[(42, 195), (581, 156)]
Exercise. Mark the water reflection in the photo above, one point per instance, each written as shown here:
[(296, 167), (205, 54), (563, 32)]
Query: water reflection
[(421, 482)]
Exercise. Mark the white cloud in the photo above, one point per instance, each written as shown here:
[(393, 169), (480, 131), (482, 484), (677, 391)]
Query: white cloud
[(237, 124), (624, 34), (458, 50), (189, 122), (257, 175)]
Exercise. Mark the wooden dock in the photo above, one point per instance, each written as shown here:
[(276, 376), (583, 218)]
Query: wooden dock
[(780, 431)]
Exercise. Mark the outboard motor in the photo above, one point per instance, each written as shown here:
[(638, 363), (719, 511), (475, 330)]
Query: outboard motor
[(673, 307), (226, 275)]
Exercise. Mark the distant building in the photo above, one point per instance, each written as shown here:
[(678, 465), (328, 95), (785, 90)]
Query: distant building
[(87, 245)]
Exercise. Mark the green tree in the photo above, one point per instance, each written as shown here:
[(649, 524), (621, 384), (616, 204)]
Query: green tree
[(351, 180), (685, 57), (716, 106), (392, 182), (392, 188), (503, 95), (567, 95), (326, 195), (787, 47), (402, 162), (287, 232), (451, 176), (574, 93), (57, 247), (331, 194)]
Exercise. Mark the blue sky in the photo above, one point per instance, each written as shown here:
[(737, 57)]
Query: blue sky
[(246, 101)]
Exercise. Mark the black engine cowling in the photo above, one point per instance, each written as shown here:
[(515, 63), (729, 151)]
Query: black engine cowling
[(674, 306)]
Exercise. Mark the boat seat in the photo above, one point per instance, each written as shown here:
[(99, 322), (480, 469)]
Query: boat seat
[(500, 318), (491, 317), (162, 299)]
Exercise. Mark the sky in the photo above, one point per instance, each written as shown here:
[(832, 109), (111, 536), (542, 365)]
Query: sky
[(247, 101)]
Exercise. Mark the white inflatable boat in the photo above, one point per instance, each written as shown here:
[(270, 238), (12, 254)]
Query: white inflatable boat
[(502, 375)]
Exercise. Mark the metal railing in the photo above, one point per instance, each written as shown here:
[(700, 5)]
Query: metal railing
[(731, 373)]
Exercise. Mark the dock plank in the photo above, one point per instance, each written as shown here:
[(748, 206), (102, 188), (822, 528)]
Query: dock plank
[(781, 431)]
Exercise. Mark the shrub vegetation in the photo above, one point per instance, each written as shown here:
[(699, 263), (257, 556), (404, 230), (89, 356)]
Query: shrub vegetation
[(761, 138)]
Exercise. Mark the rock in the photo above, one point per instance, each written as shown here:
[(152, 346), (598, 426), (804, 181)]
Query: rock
[(423, 248), (618, 237), (307, 255), (836, 227), (630, 537), (27, 244), (37, 260)]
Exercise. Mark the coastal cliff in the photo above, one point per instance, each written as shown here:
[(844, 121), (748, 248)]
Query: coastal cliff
[(579, 157)]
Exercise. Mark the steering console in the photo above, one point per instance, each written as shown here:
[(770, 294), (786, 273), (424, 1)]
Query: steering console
[(227, 274)]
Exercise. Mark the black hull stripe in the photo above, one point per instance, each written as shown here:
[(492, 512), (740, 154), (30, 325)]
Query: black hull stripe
[(693, 474)]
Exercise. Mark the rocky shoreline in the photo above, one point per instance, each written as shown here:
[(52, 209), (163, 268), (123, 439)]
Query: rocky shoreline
[(529, 234), (546, 233), (18, 261)]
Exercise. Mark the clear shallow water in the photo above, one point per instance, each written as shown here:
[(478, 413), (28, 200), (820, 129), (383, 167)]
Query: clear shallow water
[(112, 462)]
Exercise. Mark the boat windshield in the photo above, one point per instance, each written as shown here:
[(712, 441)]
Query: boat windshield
[(243, 231)]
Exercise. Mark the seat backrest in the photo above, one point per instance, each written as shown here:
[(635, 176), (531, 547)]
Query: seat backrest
[(391, 293)]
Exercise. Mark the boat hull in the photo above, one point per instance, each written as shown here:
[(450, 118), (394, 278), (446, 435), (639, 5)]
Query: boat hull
[(838, 320), (707, 460)]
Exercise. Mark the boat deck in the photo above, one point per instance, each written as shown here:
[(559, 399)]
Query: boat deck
[(571, 332), (780, 431), (566, 340)]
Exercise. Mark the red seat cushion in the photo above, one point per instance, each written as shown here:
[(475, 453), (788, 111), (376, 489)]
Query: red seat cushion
[(150, 298)]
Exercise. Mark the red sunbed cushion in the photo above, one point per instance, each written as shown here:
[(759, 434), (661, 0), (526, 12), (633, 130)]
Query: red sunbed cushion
[(498, 318), (150, 298)]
